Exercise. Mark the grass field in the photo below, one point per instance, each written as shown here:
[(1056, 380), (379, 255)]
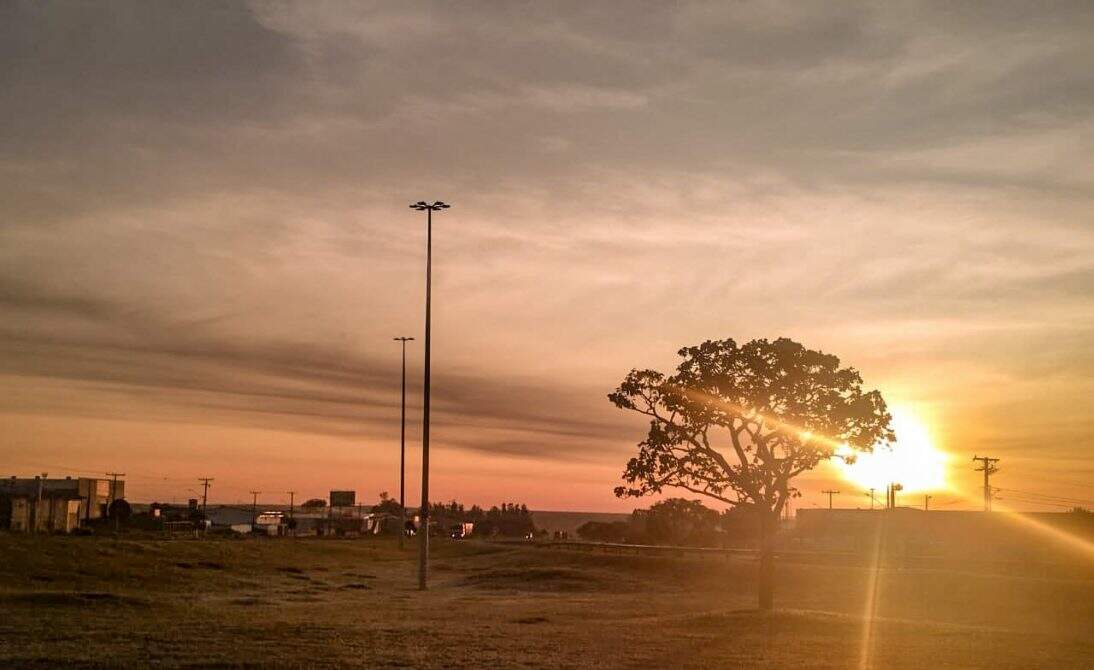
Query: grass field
[(110, 602)]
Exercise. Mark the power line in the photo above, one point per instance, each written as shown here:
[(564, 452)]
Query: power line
[(1034, 494), (830, 493), (1039, 502)]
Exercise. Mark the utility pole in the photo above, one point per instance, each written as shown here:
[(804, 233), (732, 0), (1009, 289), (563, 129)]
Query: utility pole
[(38, 507), (254, 508), (871, 494), (890, 496), (113, 495), (830, 493), (423, 530), (292, 512), (402, 451), (987, 466), (926, 502), (204, 496)]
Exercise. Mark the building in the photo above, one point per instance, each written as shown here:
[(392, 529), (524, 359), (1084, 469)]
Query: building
[(28, 506), (954, 534), (40, 504)]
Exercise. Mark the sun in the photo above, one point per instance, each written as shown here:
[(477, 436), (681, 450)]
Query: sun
[(912, 461)]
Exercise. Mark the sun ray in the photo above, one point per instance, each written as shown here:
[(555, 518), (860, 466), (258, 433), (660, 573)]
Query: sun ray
[(869, 613), (1072, 542)]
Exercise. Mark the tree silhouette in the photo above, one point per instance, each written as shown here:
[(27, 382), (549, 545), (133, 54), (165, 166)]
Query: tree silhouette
[(678, 521), (739, 423), (605, 531), (387, 505)]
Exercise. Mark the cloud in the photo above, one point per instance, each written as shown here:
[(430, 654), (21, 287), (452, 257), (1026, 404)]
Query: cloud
[(202, 207), (288, 385)]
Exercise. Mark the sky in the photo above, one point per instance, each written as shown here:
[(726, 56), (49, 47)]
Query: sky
[(206, 249)]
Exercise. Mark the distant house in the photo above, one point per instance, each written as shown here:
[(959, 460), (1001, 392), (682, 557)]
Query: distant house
[(41, 504)]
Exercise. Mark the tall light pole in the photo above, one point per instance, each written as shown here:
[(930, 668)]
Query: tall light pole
[(402, 449), (423, 514)]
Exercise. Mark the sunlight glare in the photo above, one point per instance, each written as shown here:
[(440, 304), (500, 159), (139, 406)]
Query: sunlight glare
[(912, 461)]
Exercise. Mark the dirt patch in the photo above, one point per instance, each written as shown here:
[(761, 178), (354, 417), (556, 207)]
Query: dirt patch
[(537, 579), (531, 620), (247, 601), (70, 598)]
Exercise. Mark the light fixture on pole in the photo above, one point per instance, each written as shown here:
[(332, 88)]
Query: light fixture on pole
[(423, 514)]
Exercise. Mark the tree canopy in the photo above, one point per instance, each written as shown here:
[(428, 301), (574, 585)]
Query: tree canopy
[(677, 521), (737, 423), (387, 505)]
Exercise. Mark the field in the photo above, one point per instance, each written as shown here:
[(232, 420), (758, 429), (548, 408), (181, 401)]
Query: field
[(114, 602)]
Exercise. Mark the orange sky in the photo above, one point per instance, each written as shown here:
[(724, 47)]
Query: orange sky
[(205, 248)]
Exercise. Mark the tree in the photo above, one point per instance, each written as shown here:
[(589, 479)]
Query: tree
[(314, 503), (387, 505), (510, 520), (677, 521), (739, 423), (604, 531)]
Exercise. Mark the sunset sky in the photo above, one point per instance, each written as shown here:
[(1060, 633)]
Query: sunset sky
[(205, 244)]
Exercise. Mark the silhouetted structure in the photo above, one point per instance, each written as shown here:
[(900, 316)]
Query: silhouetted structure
[(402, 444), (956, 534), (988, 467), (423, 558), (56, 505)]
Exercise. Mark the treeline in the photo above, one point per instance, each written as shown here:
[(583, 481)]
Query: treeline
[(509, 519), (506, 520), (676, 521)]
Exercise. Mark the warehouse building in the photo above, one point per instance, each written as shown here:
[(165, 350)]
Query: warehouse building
[(41, 504)]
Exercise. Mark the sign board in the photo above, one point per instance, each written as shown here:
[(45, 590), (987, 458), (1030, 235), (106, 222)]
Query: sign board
[(343, 498)]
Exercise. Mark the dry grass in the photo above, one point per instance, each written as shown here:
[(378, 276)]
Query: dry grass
[(101, 602)]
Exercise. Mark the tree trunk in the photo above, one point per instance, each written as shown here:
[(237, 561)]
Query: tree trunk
[(766, 579)]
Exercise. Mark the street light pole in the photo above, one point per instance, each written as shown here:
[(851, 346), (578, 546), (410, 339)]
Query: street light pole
[(402, 450), (423, 514)]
